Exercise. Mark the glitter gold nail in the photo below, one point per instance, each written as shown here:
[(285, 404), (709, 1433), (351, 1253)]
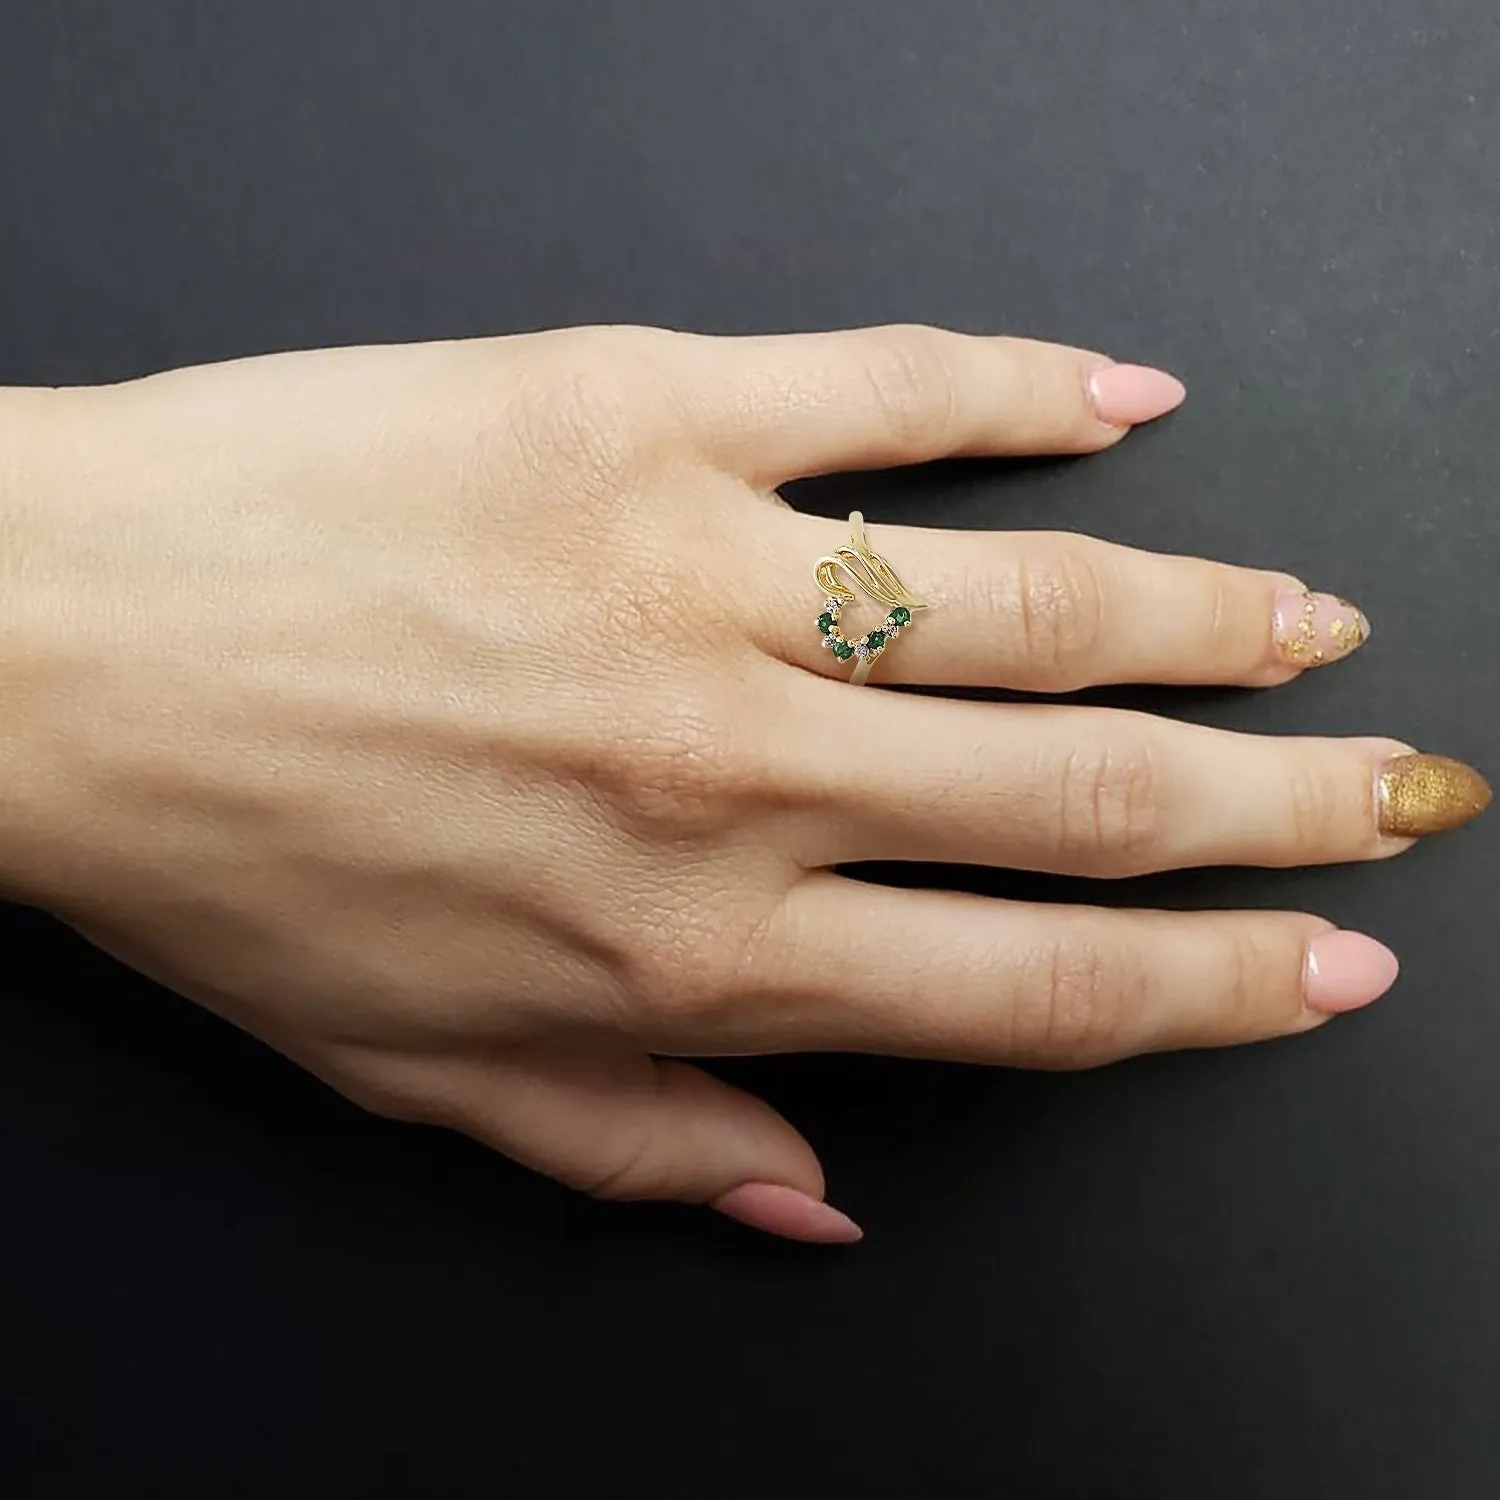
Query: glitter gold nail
[(1312, 629), (1422, 794)]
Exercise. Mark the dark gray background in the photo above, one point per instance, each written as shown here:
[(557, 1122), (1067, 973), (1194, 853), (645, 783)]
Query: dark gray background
[(1267, 1273)]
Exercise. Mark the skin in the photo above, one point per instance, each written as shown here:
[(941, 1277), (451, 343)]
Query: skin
[(452, 718)]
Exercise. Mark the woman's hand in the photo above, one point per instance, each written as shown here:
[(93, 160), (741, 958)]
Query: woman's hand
[(454, 718)]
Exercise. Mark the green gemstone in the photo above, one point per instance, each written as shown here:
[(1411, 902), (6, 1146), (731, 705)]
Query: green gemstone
[(901, 615), (875, 640), (825, 623), (843, 650)]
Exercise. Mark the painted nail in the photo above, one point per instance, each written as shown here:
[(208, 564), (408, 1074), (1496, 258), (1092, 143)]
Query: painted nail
[(1422, 794), (785, 1211), (1124, 395), (1345, 970), (1314, 629)]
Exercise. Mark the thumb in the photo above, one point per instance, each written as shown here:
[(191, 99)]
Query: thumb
[(624, 1125)]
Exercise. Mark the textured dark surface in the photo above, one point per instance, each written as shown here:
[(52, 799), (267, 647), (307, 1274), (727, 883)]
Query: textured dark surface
[(1269, 1273)]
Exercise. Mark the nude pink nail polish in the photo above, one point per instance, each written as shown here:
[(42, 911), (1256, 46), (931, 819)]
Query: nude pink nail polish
[(1313, 629), (1124, 395), (1346, 970), (789, 1213)]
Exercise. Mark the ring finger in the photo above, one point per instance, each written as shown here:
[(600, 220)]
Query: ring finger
[(967, 978), (1053, 612)]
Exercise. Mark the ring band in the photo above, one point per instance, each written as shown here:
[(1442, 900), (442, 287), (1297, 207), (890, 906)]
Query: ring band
[(867, 570)]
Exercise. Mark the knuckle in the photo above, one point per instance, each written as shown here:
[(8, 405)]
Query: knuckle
[(678, 773), (1059, 597), (1246, 969), (1319, 811), (389, 1095), (1083, 1004), (1109, 808), (687, 972), (632, 1167), (1226, 626), (631, 1170), (585, 401), (912, 385), (1046, 416)]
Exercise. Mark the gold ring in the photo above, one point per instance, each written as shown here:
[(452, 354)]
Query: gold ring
[(868, 571)]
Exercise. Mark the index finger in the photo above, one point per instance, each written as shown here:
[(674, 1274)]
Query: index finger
[(778, 407)]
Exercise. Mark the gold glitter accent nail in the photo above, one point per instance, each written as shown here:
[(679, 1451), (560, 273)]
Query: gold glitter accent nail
[(1422, 794), (1301, 642)]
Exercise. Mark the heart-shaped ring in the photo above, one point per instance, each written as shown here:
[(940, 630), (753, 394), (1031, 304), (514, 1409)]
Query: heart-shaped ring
[(868, 571)]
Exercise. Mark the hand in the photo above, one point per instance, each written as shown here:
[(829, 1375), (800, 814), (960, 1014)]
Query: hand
[(453, 717)]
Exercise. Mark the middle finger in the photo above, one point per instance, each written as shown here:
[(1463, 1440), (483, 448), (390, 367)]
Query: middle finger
[(1102, 792)]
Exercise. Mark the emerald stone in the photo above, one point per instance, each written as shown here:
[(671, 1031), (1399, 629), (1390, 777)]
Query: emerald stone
[(875, 640), (901, 615), (843, 650), (825, 623)]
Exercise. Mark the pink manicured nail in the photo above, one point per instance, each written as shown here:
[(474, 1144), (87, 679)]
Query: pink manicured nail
[(1314, 629), (1346, 970), (785, 1211), (1124, 395)]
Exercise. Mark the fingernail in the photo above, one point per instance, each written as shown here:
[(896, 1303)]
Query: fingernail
[(1124, 395), (785, 1211), (1422, 794), (1314, 629), (1346, 970)]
